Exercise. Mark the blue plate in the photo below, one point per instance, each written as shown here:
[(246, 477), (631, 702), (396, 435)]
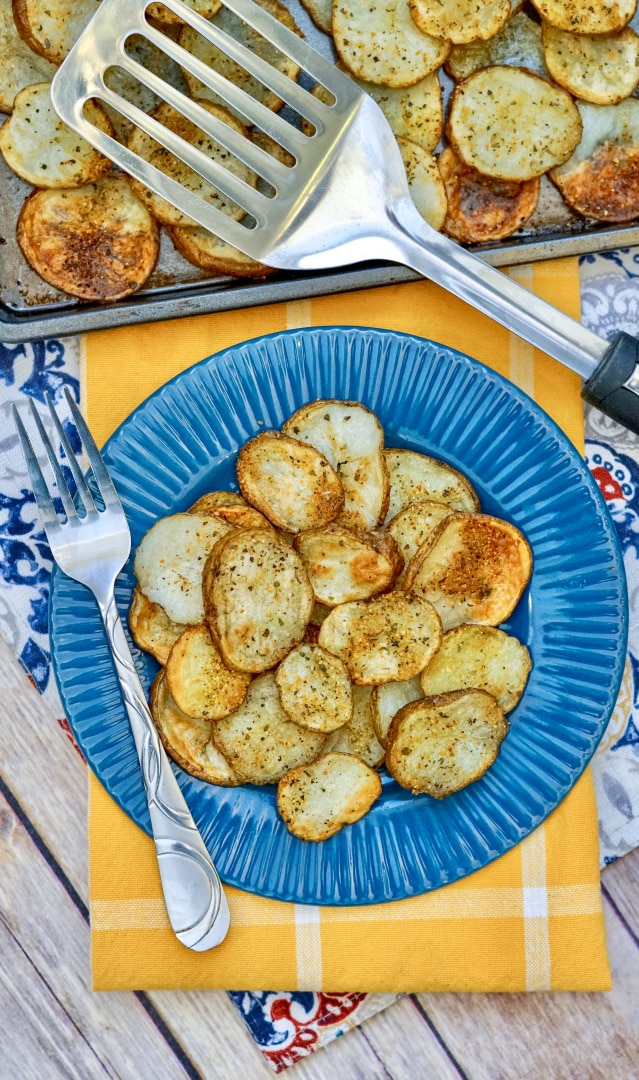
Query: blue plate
[(183, 441)]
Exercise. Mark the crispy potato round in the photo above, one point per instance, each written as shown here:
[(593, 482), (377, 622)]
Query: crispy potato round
[(97, 242), (316, 801), (425, 183), (414, 524), (517, 44), (231, 508), (51, 27), (188, 739), (204, 249), (482, 208), (259, 740), (348, 564), (314, 688), (473, 569), (379, 42), (442, 744), (358, 737), (257, 598), (413, 112), (593, 17), (460, 21), (291, 482), (387, 700), (414, 477), (20, 66), (213, 500), (42, 150), (151, 627), (160, 13), (483, 657), (512, 124), (199, 681), (321, 12), (387, 639), (125, 84), (601, 69)]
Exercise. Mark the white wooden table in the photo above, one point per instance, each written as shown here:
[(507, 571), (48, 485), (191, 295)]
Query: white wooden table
[(54, 1026)]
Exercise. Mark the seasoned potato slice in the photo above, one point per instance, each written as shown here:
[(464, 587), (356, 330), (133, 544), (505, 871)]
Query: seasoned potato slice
[(257, 597), (170, 561), (442, 744), (414, 524), (348, 564), (601, 69), (358, 736), (483, 657), (425, 183), (51, 27), (414, 477), (413, 112), (321, 12), (162, 14), (125, 84), (593, 17), (518, 44), (42, 150), (379, 42), (601, 180), (19, 65), (351, 438), (260, 741), (198, 679), (151, 627), (231, 508), (473, 569), (204, 249), (291, 482), (187, 739), (482, 208), (97, 242), (512, 124), (213, 500), (314, 688), (387, 639), (460, 21), (316, 801), (387, 700)]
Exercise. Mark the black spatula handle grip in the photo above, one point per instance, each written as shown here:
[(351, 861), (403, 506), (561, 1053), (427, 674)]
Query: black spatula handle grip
[(614, 386)]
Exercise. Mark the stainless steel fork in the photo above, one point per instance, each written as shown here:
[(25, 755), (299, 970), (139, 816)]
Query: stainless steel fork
[(91, 546)]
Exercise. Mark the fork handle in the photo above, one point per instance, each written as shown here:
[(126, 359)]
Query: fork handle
[(195, 901)]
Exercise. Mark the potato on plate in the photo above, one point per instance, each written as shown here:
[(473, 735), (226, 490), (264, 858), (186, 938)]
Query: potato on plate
[(231, 508), (198, 679), (414, 524), (314, 688), (483, 208), (460, 21), (379, 42), (441, 744), (483, 657), (316, 801), (20, 66), (348, 564), (517, 44), (603, 69), (358, 736), (416, 476), (151, 627), (388, 699), (187, 739), (591, 17)]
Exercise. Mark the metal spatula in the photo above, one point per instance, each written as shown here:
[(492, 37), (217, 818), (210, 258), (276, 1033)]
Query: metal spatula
[(346, 198)]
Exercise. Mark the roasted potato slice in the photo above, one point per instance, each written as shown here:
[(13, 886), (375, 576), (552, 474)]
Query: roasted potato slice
[(358, 736), (602, 69), (97, 242), (387, 700), (20, 66), (188, 739), (257, 598), (151, 627), (170, 560), (413, 112), (387, 639), (483, 657), (425, 183), (51, 27), (314, 688), (290, 482), (351, 438), (42, 150), (414, 477), (316, 801), (160, 13), (204, 249), (518, 44), (199, 681), (259, 740), (473, 569), (442, 744), (414, 524), (379, 42), (482, 208), (231, 508), (460, 21), (125, 84), (349, 564), (593, 17), (210, 502), (512, 124), (321, 12)]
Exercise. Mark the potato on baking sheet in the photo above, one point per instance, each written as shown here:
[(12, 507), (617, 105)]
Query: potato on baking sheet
[(231, 508), (316, 801), (348, 564), (97, 242), (42, 150), (591, 17), (415, 476), (198, 679), (257, 598), (517, 44), (473, 569), (387, 639), (441, 744), (379, 42), (20, 66), (202, 248), (512, 124), (125, 84), (314, 688), (413, 112), (601, 179), (483, 657), (51, 27), (424, 181), (169, 563), (414, 524), (289, 481), (388, 699), (460, 21), (159, 13), (151, 627), (358, 736), (602, 69), (259, 740), (321, 12), (481, 208), (188, 740), (351, 438)]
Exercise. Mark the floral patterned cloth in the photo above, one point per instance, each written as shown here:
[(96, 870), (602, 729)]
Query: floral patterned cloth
[(287, 1026)]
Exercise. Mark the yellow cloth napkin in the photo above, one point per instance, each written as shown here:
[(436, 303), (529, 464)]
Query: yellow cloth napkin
[(532, 920)]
